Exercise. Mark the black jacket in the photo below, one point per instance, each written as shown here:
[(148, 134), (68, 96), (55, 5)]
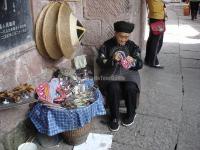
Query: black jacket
[(111, 70)]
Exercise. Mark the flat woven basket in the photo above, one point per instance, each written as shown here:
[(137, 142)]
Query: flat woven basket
[(49, 31), (38, 32), (78, 136)]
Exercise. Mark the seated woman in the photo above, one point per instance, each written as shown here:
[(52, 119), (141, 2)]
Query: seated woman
[(119, 61)]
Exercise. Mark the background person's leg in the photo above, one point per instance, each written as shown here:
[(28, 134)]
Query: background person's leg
[(160, 43), (151, 49), (196, 9), (148, 50), (192, 9)]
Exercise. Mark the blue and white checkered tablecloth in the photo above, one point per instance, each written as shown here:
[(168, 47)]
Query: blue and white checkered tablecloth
[(52, 121)]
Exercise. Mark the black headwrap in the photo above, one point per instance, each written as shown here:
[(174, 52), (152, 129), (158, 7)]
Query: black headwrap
[(123, 26)]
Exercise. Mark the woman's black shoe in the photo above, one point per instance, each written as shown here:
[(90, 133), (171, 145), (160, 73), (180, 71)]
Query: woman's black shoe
[(128, 121), (114, 125)]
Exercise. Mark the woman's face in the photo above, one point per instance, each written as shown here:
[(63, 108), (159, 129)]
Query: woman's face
[(122, 37)]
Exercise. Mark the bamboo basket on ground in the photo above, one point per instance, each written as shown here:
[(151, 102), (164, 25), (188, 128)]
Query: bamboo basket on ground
[(78, 136)]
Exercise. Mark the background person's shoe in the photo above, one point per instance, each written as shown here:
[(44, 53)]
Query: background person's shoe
[(114, 125), (145, 63), (192, 17), (157, 66)]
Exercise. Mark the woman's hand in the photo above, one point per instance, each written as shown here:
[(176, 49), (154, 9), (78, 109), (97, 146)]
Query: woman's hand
[(130, 59), (117, 56)]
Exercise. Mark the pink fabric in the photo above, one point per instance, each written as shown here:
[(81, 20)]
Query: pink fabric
[(52, 92), (43, 92), (123, 60), (62, 95)]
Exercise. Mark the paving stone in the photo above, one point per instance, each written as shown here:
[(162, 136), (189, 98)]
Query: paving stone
[(162, 88), (17, 136), (191, 96), (1, 146), (183, 20), (16, 115), (193, 47), (148, 133), (61, 146), (190, 63), (124, 146), (100, 125), (159, 104), (191, 91), (192, 82), (186, 146), (170, 48), (190, 132), (191, 74), (171, 35), (190, 54), (171, 63), (191, 105), (161, 93), (189, 51), (160, 81)]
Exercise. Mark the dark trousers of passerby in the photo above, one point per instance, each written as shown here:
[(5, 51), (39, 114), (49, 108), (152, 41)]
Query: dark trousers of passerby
[(116, 90), (153, 46), (194, 7)]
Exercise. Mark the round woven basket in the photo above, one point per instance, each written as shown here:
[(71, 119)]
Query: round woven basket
[(78, 136)]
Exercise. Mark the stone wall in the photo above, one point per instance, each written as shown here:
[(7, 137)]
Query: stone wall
[(24, 64), (99, 16)]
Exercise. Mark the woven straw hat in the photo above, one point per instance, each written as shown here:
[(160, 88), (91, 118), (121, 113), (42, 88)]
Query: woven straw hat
[(38, 32), (69, 30), (49, 31)]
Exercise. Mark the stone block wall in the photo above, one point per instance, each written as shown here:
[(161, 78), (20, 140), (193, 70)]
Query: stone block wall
[(24, 64), (99, 16)]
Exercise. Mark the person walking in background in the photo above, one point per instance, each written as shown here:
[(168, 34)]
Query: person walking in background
[(194, 7), (157, 15)]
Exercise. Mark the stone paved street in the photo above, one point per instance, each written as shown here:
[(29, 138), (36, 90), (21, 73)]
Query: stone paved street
[(168, 117)]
